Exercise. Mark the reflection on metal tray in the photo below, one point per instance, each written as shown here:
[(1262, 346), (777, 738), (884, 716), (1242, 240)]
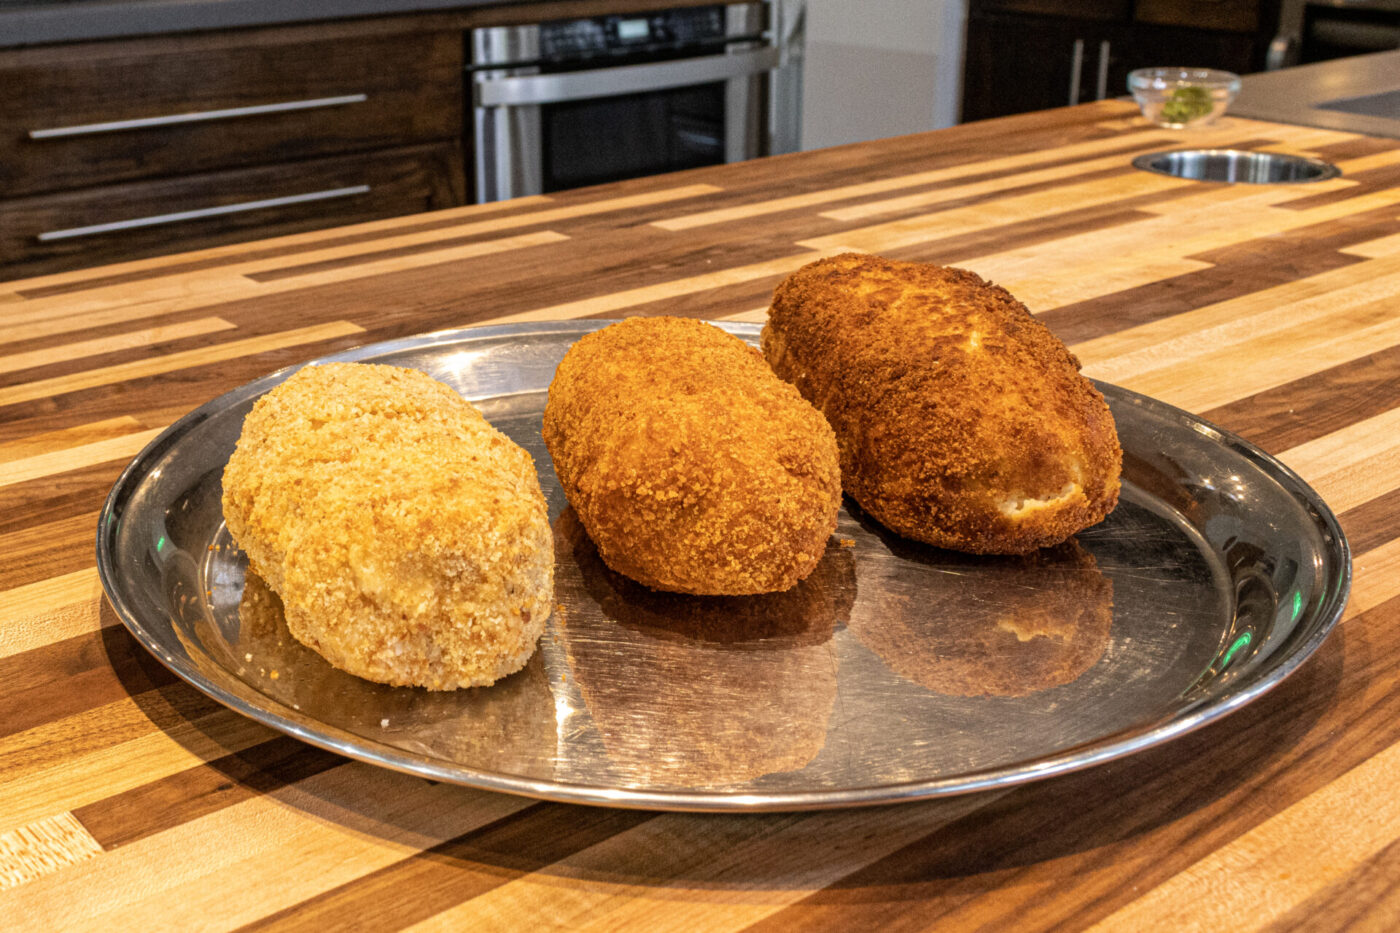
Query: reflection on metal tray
[(895, 672)]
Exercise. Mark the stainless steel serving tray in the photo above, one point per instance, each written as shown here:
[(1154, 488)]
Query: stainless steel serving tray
[(895, 672)]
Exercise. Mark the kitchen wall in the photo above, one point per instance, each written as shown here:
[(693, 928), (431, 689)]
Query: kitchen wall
[(879, 68)]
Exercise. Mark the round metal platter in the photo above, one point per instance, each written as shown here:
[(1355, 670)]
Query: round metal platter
[(895, 672)]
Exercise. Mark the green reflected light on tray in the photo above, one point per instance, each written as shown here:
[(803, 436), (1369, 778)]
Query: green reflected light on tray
[(1241, 642)]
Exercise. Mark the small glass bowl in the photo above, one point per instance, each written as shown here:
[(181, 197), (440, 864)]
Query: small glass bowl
[(1183, 97)]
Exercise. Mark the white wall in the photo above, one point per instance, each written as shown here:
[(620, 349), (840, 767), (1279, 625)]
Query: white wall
[(877, 68)]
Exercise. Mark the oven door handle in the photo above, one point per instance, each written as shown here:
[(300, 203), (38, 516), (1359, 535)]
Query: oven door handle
[(525, 90)]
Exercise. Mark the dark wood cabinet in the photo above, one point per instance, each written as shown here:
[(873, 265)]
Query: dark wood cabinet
[(121, 149), (108, 223), (1024, 55)]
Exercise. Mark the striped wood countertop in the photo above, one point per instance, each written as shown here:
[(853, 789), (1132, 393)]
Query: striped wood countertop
[(130, 801)]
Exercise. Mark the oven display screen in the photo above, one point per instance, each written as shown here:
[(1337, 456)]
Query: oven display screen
[(630, 30)]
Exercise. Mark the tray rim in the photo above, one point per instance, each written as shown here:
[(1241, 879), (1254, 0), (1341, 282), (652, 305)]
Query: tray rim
[(1109, 747)]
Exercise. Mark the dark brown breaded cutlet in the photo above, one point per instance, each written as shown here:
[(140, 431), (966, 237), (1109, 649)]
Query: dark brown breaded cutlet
[(962, 421)]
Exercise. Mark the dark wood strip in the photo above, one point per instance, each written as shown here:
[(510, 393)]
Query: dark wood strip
[(1316, 405), (148, 398), (179, 798), (1365, 900), (725, 301), (1365, 181), (62, 365), (1372, 524), (1119, 311), (1355, 147), (1238, 270), (181, 264), (57, 496), (1125, 827), (457, 870), (73, 676), (59, 660), (88, 331), (52, 549), (166, 708)]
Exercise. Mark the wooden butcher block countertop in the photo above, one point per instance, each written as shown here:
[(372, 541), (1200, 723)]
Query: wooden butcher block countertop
[(128, 800)]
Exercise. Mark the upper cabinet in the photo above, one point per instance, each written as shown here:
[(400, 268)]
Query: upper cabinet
[(1024, 55)]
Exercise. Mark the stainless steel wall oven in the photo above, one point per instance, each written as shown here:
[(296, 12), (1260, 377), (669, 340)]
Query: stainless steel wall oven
[(576, 102)]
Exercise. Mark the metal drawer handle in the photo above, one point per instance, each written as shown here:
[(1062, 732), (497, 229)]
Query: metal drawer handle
[(627, 79), (1101, 88), (176, 119), (1076, 70), (158, 219)]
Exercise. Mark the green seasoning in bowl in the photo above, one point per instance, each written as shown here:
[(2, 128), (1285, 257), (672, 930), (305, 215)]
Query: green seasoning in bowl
[(1182, 97), (1187, 103)]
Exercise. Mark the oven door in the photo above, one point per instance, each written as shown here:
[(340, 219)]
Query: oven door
[(545, 132)]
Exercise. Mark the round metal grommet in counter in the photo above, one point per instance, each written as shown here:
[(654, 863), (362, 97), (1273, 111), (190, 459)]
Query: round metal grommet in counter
[(1237, 165)]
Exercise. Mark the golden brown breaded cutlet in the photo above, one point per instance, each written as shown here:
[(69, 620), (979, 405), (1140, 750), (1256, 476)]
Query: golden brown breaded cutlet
[(962, 420), (692, 467), (408, 539)]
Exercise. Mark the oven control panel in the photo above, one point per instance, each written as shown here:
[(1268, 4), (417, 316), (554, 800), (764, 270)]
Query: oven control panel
[(664, 30)]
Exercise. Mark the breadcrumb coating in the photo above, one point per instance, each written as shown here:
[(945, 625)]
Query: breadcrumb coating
[(407, 538), (962, 421), (692, 467)]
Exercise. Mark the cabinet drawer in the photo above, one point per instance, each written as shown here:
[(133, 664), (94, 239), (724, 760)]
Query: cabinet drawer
[(1232, 15), (53, 233), (95, 113)]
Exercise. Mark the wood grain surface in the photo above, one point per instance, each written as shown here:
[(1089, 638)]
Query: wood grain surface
[(130, 801)]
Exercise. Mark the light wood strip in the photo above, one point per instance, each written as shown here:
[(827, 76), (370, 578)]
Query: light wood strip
[(990, 186), (75, 458), (282, 848), (23, 447), (640, 879), (1226, 132), (1298, 139), (1272, 358), (1365, 163), (1375, 578), (1281, 862), (471, 225), (98, 727), (938, 225), (1269, 309), (89, 314), (880, 186), (1153, 246), (495, 224), (173, 263), (42, 848), (751, 316), (42, 613), (617, 301), (1377, 248), (82, 779), (139, 369), (422, 260), (48, 317), (1354, 465), (131, 340)]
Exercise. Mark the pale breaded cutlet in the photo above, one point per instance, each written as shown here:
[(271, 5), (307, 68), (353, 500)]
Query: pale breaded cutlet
[(692, 467), (407, 538), (962, 421)]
